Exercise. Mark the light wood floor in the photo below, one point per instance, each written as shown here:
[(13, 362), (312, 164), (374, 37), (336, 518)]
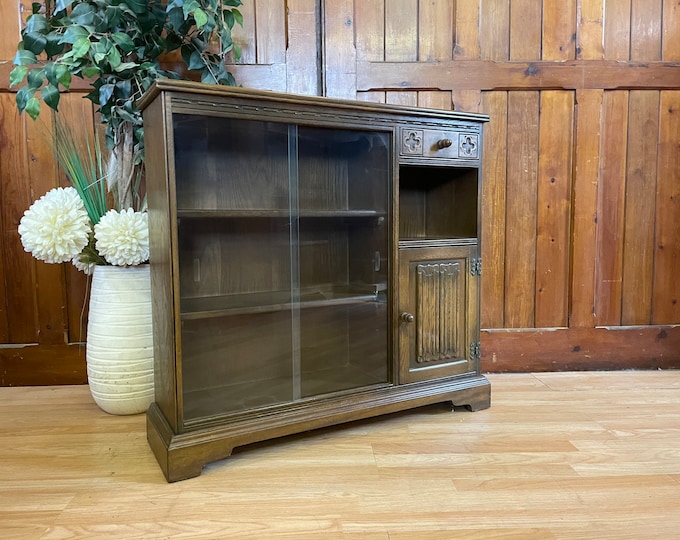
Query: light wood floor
[(567, 456)]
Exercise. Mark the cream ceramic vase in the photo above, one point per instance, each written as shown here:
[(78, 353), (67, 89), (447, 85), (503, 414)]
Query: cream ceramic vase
[(119, 349)]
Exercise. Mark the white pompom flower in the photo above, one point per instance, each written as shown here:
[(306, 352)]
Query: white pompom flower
[(86, 267), (55, 228), (122, 238)]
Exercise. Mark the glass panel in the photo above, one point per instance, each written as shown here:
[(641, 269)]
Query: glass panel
[(230, 164), (343, 234), (234, 264)]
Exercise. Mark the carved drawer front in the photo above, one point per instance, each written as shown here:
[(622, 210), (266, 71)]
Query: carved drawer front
[(432, 143)]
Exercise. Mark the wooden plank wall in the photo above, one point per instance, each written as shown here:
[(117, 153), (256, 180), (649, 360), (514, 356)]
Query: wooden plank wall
[(581, 173)]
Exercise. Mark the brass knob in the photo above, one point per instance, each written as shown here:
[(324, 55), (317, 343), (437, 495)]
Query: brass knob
[(444, 143), (407, 317)]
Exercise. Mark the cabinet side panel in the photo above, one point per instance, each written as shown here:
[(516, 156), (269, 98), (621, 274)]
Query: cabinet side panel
[(160, 233)]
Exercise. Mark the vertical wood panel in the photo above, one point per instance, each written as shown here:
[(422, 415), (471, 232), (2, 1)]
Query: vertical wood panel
[(467, 100), (589, 29), (401, 30), (16, 196), (610, 208), (667, 253), (466, 33), (586, 182), (521, 197), (369, 22), (340, 78), (270, 29), (302, 68), (617, 29), (559, 30), (409, 99), (435, 100), (645, 41), (495, 104), (554, 208), (49, 284), (435, 30), (372, 97), (671, 30), (10, 35), (244, 36), (494, 29), (525, 30), (638, 249)]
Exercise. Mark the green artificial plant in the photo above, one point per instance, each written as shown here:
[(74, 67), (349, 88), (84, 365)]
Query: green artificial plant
[(118, 47)]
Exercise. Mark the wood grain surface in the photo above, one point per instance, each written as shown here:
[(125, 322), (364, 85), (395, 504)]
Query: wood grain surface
[(557, 456)]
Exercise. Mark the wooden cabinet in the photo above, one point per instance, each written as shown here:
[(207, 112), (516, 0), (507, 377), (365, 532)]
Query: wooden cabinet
[(313, 262)]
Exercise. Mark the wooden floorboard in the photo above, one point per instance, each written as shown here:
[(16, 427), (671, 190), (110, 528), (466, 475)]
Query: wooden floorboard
[(588, 455)]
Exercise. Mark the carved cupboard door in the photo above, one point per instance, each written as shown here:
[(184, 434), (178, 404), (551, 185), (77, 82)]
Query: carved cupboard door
[(438, 312)]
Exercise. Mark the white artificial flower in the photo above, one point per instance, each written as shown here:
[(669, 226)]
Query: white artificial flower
[(85, 267), (55, 228), (122, 238)]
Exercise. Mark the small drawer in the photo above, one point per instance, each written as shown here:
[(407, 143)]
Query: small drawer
[(432, 143)]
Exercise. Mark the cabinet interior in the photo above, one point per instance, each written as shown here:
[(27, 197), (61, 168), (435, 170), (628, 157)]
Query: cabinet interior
[(282, 240), (437, 202)]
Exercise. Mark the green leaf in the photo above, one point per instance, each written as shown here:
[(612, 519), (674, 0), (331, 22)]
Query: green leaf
[(37, 23), (83, 14), (65, 78), (36, 77), (58, 74), (200, 17), (74, 33), (54, 45), (238, 16), (189, 7), (50, 95), (105, 94), (22, 97), (176, 17), (61, 5), (24, 58), (196, 61), (123, 41), (91, 71), (113, 57), (33, 107), (81, 47), (124, 89), (17, 75), (123, 66), (34, 42), (207, 77), (138, 6)]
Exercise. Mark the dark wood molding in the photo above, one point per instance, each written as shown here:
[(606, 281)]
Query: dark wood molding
[(581, 349), (39, 365), (488, 75)]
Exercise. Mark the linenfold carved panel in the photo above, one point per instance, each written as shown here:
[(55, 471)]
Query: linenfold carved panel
[(438, 296)]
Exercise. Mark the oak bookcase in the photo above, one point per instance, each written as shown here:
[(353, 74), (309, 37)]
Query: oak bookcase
[(313, 262)]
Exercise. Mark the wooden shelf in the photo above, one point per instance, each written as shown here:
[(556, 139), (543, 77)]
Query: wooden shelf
[(267, 302), (274, 213), (436, 242)]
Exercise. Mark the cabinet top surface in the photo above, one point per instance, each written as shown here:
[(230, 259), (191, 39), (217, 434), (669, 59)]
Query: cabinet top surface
[(214, 90)]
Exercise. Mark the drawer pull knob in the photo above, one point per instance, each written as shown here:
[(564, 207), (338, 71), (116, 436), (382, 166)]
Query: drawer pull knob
[(444, 143), (407, 317)]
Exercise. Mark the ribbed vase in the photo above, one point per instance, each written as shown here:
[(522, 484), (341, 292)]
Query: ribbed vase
[(119, 339)]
